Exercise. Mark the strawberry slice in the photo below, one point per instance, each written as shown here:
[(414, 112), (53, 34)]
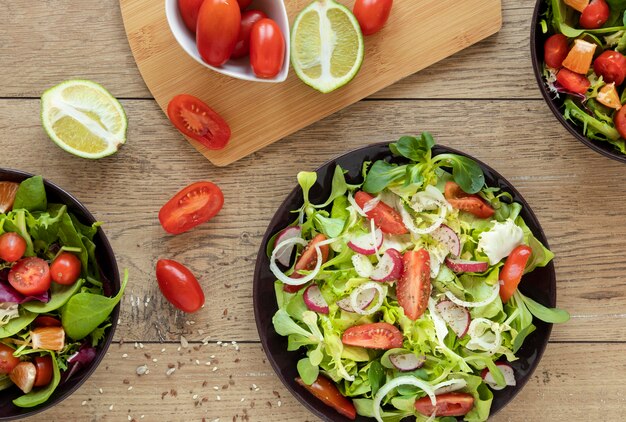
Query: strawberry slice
[(413, 288), (23, 376), (48, 338), (7, 195)]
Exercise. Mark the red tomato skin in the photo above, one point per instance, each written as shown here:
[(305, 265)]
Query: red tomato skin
[(573, 82), (7, 360), (12, 247), (413, 288), (448, 404), (267, 48), (595, 14), (513, 270), (385, 218), (179, 286), (193, 205), (65, 269), (196, 120), (30, 276), (244, 3), (189, 10), (372, 14), (325, 390), (620, 121), (46, 321), (611, 65), (379, 335), (44, 370), (471, 203), (555, 50), (307, 261), (217, 30), (248, 19)]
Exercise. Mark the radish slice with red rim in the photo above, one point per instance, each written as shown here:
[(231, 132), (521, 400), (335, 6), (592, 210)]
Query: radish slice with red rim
[(449, 238), (314, 300), (284, 258), (297, 241), (365, 244), (465, 266), (407, 361), (364, 300), (457, 317), (389, 267), (359, 297), (507, 371)]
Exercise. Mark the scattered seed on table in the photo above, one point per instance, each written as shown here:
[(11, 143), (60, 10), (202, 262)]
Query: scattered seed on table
[(142, 370), (130, 388), (184, 342), (218, 398), (141, 345), (125, 355), (214, 368), (242, 399), (170, 371), (279, 403), (84, 403), (195, 396), (163, 350), (197, 362), (111, 407)]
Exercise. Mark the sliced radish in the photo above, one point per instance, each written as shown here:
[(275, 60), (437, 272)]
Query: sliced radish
[(457, 318), (362, 265), (364, 299), (314, 300), (365, 245), (507, 371), (284, 257), (465, 266), (389, 267), (449, 238), (407, 361), (357, 300)]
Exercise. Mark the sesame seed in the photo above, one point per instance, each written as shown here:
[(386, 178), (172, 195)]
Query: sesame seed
[(119, 320), (254, 386), (141, 345), (178, 349), (208, 363), (111, 407), (170, 371), (136, 345), (218, 398), (242, 399), (212, 356), (83, 403), (197, 362), (218, 343), (233, 342), (142, 370), (130, 418), (142, 416), (100, 390), (148, 300), (279, 403), (214, 368), (163, 350), (155, 360), (125, 355), (216, 388), (195, 396), (184, 342)]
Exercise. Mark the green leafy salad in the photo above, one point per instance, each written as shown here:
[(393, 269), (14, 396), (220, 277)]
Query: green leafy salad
[(401, 291), (54, 300)]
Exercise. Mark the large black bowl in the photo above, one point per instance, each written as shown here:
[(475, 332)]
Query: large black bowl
[(539, 284), (537, 39), (108, 266)]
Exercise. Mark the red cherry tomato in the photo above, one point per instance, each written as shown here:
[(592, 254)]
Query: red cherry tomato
[(413, 289), (471, 203), (611, 65), (572, 81), (46, 321), (30, 276), (620, 121), (248, 19), (267, 48), (329, 394), (44, 370), (448, 404), (372, 14), (198, 121), (12, 247), (179, 286), (217, 30), (307, 261), (194, 205), (512, 271), (555, 50), (595, 14), (379, 335), (65, 269), (386, 218), (189, 10), (7, 360), (244, 3)]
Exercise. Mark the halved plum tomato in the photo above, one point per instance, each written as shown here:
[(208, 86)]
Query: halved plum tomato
[(413, 289), (179, 286), (44, 370), (194, 205), (65, 269), (7, 195), (555, 50), (325, 390), (248, 19), (30, 276), (611, 65), (512, 271), (471, 203), (386, 218), (7, 360), (198, 121), (12, 247), (189, 10), (620, 121), (595, 14), (448, 404), (379, 335), (308, 260), (46, 321)]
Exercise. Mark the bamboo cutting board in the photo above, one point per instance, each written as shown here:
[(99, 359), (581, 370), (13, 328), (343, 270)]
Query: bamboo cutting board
[(418, 34)]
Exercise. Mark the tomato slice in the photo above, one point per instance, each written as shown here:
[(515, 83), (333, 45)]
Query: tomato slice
[(386, 218), (194, 205), (179, 286), (379, 335), (448, 404), (46, 321), (471, 203), (327, 392), (30, 276), (513, 270), (48, 338), (196, 120), (7, 195), (65, 269), (307, 261), (413, 289), (12, 247), (7, 360), (44, 370)]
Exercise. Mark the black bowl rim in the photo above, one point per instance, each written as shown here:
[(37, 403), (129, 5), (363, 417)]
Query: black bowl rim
[(603, 148), (275, 219), (70, 199)]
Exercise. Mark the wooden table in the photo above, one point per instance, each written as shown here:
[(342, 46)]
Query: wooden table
[(484, 101)]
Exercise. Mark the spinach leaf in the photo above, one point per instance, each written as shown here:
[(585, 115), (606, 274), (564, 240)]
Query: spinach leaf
[(69, 236), (59, 295), (339, 187), (465, 171), (549, 315), (16, 325), (415, 149), (308, 372), (31, 195), (40, 395), (382, 174)]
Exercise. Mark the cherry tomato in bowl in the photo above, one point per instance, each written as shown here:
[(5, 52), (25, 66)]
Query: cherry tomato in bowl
[(611, 65), (7, 360), (572, 81), (267, 48), (248, 19), (244, 3), (555, 50), (65, 269), (196, 120), (189, 10), (595, 14), (30, 276), (217, 30), (44, 370), (372, 14), (12, 247), (194, 205), (179, 286)]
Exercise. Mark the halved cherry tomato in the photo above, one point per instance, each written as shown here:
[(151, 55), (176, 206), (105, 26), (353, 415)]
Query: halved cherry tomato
[(244, 3), (386, 218), (595, 14), (248, 19), (611, 65), (65, 269), (555, 50), (23, 376), (372, 14), (46, 321), (179, 286), (308, 260), (413, 289), (44, 370), (620, 122), (327, 392), (198, 121), (512, 271), (194, 205), (448, 404), (189, 10), (7, 360), (379, 335), (473, 204), (572, 81), (48, 338), (12, 247), (267, 48), (30, 276), (217, 30), (7, 195)]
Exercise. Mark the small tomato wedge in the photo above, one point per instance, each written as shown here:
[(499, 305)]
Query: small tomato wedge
[(372, 14), (198, 121), (512, 271), (595, 14), (379, 335), (307, 261), (572, 81), (7, 360), (46, 321), (267, 48), (12, 247), (189, 10), (23, 376), (248, 19), (325, 390), (7, 195), (194, 205), (65, 269), (30, 276), (555, 50), (44, 370), (448, 404), (620, 121), (217, 30), (611, 65), (413, 289), (48, 338), (179, 286), (471, 203), (386, 218)]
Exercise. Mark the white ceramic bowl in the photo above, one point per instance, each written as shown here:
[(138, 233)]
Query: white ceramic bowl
[(237, 68)]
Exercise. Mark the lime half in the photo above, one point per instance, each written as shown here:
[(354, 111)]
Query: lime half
[(84, 119), (326, 45)]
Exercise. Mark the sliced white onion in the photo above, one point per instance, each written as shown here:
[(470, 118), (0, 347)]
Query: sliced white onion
[(441, 329), (477, 342), (375, 238), (297, 241), (356, 207), (362, 265), (363, 287), (453, 385), (494, 294), (407, 219), (371, 204), (395, 383)]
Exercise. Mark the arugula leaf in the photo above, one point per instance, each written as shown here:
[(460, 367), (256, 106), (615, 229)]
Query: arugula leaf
[(38, 396), (465, 171), (31, 195), (307, 371), (592, 127), (381, 175)]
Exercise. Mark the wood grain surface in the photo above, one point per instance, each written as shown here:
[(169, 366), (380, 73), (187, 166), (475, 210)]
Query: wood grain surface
[(482, 100)]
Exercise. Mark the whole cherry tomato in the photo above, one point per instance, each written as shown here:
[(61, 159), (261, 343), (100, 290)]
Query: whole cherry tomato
[(248, 19), (179, 286), (372, 14), (65, 269), (595, 14), (30, 276), (7, 360), (12, 247), (267, 48), (611, 65), (555, 50), (217, 30), (189, 10)]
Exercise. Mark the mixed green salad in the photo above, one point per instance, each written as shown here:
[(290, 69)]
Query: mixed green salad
[(54, 300), (402, 289)]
